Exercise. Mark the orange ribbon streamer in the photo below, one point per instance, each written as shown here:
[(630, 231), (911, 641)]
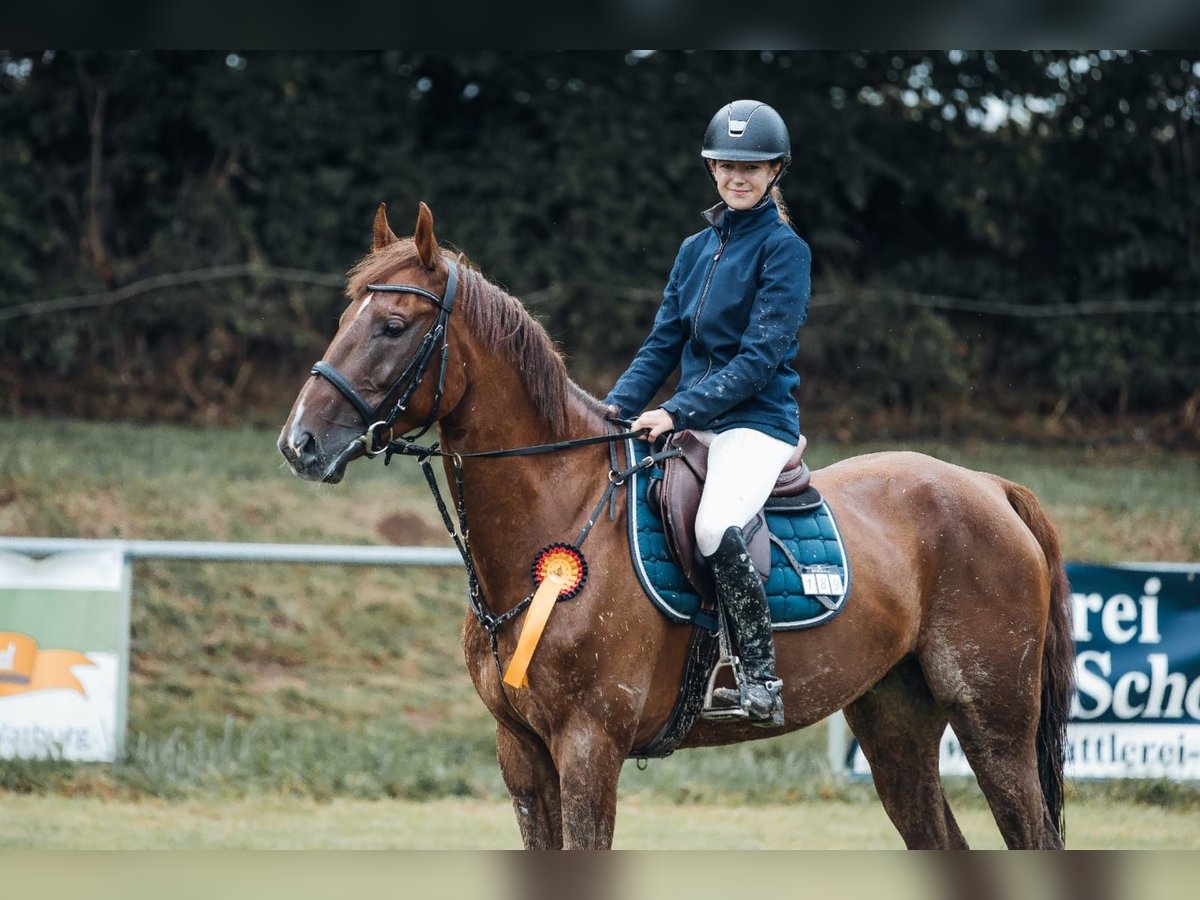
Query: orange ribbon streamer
[(536, 616)]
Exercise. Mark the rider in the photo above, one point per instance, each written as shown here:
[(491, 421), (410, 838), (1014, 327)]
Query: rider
[(735, 298)]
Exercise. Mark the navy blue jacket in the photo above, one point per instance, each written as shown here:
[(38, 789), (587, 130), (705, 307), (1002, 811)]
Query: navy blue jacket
[(737, 294)]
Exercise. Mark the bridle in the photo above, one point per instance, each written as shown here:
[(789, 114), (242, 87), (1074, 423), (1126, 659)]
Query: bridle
[(373, 439)]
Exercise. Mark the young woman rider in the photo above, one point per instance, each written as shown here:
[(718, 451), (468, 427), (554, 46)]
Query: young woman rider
[(735, 298)]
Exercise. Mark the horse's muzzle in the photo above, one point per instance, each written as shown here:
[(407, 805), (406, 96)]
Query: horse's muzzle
[(306, 458)]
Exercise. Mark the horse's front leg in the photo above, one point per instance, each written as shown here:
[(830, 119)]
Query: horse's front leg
[(532, 781), (589, 765)]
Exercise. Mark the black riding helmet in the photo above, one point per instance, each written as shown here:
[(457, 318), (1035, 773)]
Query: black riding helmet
[(748, 131)]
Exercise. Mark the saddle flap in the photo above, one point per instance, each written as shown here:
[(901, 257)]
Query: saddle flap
[(677, 497)]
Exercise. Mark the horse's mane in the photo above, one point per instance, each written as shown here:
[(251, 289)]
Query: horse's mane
[(500, 323)]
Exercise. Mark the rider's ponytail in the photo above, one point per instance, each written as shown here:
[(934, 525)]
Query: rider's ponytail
[(784, 216)]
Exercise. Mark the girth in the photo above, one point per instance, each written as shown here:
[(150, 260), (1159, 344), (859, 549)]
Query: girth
[(677, 497)]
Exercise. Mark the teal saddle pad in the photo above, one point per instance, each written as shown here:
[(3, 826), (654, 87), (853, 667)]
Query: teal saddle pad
[(805, 591)]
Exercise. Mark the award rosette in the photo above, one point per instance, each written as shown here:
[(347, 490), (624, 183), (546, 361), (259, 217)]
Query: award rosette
[(559, 572), (566, 563)]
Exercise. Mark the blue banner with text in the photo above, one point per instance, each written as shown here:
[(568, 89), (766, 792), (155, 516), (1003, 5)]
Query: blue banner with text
[(1136, 709)]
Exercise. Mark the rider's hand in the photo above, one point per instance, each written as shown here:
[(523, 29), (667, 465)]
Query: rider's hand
[(657, 421)]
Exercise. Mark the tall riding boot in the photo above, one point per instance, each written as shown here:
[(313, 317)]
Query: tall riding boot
[(740, 593)]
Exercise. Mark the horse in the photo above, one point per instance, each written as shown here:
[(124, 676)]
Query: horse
[(957, 613)]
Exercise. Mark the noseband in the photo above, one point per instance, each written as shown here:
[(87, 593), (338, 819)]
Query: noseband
[(379, 426)]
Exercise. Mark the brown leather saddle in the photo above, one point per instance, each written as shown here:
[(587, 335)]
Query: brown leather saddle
[(677, 498)]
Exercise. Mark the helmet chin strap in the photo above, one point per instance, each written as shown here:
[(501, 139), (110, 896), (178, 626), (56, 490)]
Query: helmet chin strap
[(784, 165)]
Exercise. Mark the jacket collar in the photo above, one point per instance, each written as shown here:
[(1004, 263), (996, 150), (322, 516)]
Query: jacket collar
[(727, 221)]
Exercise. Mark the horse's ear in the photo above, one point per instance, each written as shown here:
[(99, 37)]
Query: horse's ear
[(383, 231), (427, 246)]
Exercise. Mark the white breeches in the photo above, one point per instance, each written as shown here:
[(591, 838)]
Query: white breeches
[(743, 466)]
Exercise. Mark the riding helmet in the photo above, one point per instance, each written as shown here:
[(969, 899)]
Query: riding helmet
[(747, 131)]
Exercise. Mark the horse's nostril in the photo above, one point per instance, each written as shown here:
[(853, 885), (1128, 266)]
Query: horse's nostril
[(305, 446)]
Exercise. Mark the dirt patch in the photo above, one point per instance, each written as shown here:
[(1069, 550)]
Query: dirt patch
[(102, 514), (409, 529), (274, 678)]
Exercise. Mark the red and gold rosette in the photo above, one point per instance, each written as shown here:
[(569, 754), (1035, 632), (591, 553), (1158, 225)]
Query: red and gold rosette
[(566, 563), (559, 572)]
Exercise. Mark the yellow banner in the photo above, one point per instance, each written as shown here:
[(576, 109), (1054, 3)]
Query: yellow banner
[(25, 669)]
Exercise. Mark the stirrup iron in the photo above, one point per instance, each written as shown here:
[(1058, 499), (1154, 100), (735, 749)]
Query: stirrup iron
[(726, 660)]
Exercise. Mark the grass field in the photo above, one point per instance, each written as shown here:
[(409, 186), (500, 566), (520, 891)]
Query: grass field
[(454, 824), (319, 687)]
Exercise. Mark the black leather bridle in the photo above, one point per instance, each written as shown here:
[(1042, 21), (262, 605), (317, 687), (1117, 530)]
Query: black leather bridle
[(378, 436)]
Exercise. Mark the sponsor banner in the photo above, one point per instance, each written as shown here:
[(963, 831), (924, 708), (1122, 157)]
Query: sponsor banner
[(64, 625), (1136, 712)]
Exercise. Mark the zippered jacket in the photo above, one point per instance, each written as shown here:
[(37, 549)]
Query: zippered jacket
[(737, 295)]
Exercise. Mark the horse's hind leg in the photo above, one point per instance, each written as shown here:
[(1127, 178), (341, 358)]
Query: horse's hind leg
[(532, 782), (899, 727), (998, 736)]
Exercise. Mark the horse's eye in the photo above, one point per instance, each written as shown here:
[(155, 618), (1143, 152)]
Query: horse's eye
[(394, 327)]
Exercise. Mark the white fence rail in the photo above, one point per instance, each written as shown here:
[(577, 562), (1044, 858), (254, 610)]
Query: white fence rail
[(217, 551)]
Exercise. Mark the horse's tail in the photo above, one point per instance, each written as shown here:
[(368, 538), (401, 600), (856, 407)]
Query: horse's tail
[(1058, 655)]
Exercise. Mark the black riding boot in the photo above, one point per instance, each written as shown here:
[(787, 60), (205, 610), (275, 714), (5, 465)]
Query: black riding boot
[(740, 593)]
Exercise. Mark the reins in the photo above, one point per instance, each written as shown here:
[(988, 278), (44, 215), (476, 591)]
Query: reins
[(404, 447)]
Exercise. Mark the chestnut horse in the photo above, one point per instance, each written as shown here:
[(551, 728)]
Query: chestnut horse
[(957, 613)]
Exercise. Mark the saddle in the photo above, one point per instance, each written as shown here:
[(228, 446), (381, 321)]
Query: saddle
[(676, 496)]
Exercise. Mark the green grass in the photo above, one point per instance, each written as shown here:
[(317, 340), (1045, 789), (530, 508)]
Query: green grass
[(323, 682), (273, 823)]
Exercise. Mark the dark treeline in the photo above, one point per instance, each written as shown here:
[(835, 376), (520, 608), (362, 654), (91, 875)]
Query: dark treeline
[(952, 200)]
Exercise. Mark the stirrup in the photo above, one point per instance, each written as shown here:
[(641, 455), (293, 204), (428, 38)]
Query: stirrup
[(732, 708), (733, 703), (730, 705), (723, 703)]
